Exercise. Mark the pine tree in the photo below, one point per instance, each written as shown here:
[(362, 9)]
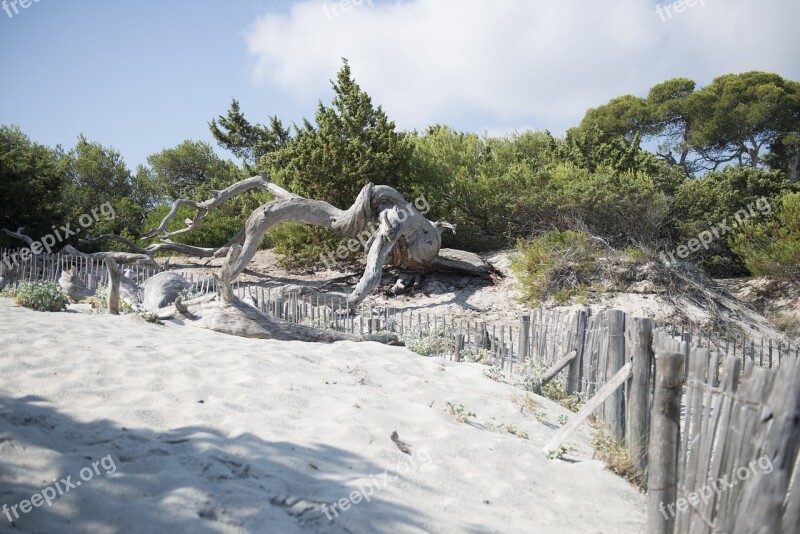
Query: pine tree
[(248, 142), (353, 143)]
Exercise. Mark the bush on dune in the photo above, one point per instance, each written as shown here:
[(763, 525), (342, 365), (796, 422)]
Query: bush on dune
[(772, 247), (562, 264), (41, 296)]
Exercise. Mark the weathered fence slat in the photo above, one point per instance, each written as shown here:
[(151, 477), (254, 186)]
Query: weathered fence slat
[(605, 392)]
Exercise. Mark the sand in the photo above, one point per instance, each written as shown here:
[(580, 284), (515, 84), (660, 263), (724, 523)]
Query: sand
[(212, 433)]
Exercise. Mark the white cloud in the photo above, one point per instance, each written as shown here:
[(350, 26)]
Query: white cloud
[(515, 62)]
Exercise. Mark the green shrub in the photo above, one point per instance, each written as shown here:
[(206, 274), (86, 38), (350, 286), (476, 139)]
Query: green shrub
[(558, 264), (635, 254), (622, 207), (772, 247), (424, 343), (41, 296), (301, 246), (493, 373), (703, 203)]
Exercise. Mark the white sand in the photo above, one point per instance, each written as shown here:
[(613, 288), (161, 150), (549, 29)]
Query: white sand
[(283, 427)]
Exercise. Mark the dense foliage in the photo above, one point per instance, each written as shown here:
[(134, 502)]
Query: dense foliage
[(730, 146), (32, 179), (772, 247), (557, 264), (41, 296)]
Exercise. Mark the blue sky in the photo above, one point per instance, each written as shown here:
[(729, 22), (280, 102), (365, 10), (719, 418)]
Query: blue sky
[(144, 75)]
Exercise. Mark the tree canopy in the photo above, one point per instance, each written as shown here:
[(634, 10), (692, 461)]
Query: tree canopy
[(717, 149), (736, 119)]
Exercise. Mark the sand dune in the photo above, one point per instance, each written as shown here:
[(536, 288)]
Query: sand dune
[(211, 433)]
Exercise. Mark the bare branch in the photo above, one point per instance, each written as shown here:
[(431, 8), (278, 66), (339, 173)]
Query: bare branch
[(19, 235), (202, 209), (89, 240), (120, 257)]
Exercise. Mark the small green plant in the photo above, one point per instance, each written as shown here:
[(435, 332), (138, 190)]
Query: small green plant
[(424, 346), (529, 403), (562, 419), (100, 301), (425, 343), (459, 412), (511, 429), (573, 402), (635, 254), (41, 296), (8, 293), (493, 373), (532, 374), (558, 453), (526, 403), (483, 356)]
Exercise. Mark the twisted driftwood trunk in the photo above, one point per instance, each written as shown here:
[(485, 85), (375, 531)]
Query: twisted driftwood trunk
[(415, 239), (227, 314), (400, 226), (380, 218)]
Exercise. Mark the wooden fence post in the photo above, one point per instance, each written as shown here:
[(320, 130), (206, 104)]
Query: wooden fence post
[(594, 403), (556, 368), (574, 374), (486, 343), (664, 438), (613, 409), (522, 342), (374, 326), (459, 338), (639, 351), (113, 286)]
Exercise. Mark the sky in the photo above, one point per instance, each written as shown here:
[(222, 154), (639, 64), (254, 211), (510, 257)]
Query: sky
[(145, 75)]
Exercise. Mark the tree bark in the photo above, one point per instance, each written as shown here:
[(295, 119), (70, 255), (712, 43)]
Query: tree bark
[(113, 285), (380, 219)]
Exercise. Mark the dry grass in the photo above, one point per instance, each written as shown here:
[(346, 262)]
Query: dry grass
[(615, 455)]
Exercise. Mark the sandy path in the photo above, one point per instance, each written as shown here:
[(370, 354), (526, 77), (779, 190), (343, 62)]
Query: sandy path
[(210, 433)]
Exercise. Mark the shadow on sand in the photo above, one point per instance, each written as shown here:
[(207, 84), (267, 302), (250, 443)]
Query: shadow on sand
[(191, 479)]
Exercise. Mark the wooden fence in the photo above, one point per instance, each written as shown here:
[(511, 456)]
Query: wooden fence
[(730, 466), (691, 408), (692, 433), (578, 339)]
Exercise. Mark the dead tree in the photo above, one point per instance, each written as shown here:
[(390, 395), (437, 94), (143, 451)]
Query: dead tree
[(388, 225), (415, 240)]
